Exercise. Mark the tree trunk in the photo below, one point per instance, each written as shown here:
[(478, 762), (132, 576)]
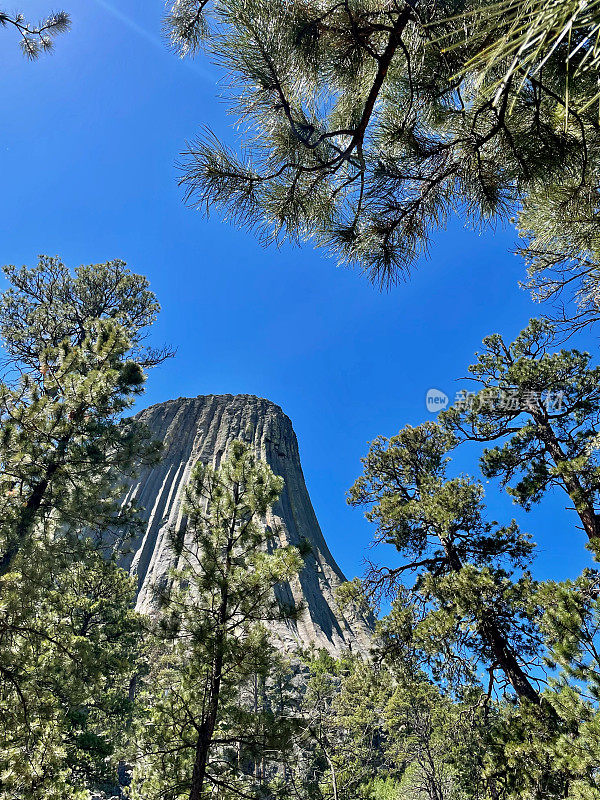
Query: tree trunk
[(201, 756), (30, 511), (498, 644), (334, 786), (507, 661), (207, 728), (579, 496)]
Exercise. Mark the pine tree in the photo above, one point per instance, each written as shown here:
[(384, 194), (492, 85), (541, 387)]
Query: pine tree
[(72, 343), (471, 598), (212, 614), (368, 124), (381, 730), (551, 48), (527, 34), (47, 304), (571, 627), (69, 649), (539, 410), (435, 742), (68, 635), (356, 725)]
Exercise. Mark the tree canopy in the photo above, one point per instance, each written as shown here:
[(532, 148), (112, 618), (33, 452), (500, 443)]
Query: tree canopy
[(69, 638), (366, 125)]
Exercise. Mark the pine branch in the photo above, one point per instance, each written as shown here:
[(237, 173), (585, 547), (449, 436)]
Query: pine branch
[(37, 38)]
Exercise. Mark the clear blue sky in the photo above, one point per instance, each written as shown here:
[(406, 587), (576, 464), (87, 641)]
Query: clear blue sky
[(88, 142)]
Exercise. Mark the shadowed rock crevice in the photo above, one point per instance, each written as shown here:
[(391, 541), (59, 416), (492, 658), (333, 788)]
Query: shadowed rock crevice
[(202, 428)]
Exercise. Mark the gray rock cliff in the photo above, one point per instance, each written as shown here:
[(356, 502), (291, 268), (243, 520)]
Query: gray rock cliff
[(201, 429)]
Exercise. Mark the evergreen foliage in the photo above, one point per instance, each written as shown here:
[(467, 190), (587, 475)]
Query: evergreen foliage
[(197, 729), (472, 605), (540, 412), (68, 635), (366, 125), (471, 594), (65, 447), (69, 643), (36, 38)]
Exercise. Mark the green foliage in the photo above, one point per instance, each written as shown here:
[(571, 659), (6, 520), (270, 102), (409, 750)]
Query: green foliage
[(451, 704), (354, 596), (68, 651), (540, 411), (337, 748), (381, 730), (367, 125), (68, 635), (472, 610), (471, 595), (527, 34), (48, 304), (197, 725), (65, 446), (435, 742)]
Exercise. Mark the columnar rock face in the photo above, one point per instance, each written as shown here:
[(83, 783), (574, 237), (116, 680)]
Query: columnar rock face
[(201, 429)]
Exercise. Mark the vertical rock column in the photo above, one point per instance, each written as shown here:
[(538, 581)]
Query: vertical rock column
[(201, 429)]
